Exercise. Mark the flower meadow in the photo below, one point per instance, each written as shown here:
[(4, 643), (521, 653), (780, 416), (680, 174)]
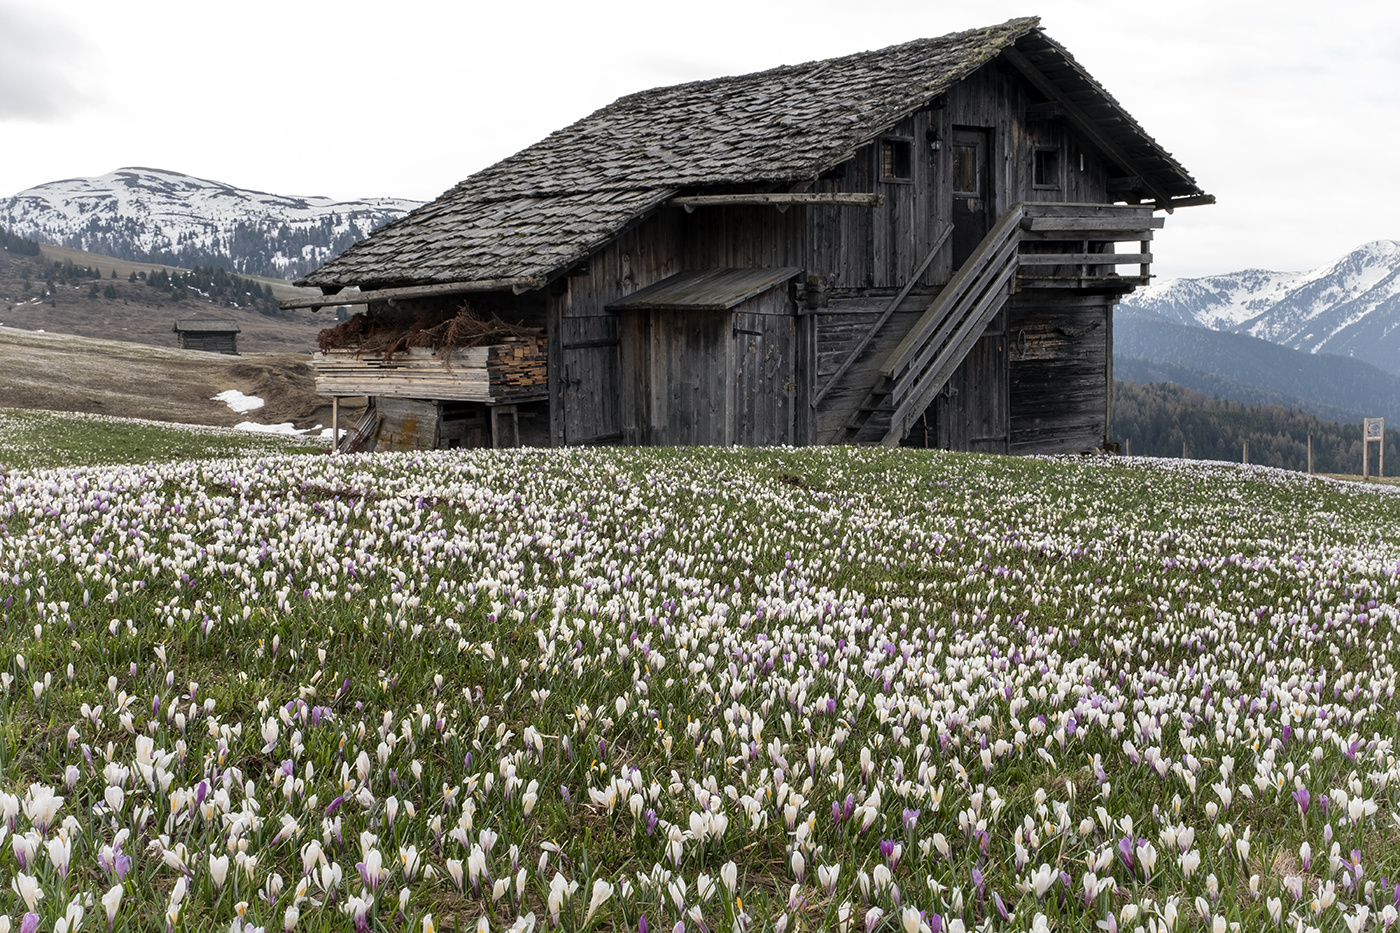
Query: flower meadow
[(59, 438), (697, 690)]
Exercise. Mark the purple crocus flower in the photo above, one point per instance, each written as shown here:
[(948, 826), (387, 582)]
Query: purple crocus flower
[(642, 924), (30, 923), (1125, 851), (1302, 798), (1000, 906)]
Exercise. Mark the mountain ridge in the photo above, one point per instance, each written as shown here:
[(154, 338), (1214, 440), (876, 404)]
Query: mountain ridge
[(1349, 307), (1250, 369), (159, 216)]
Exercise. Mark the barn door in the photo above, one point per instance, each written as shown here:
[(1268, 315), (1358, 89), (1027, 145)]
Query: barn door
[(972, 190)]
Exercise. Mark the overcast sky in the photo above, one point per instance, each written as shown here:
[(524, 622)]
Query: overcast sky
[(1288, 112)]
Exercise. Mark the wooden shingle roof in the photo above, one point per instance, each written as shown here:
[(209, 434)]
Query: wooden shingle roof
[(541, 210), (207, 327)]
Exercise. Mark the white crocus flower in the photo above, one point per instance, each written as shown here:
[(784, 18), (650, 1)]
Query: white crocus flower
[(111, 902), (27, 887), (602, 890)]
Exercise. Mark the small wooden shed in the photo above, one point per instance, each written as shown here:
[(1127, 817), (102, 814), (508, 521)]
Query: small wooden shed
[(916, 245), (209, 336)]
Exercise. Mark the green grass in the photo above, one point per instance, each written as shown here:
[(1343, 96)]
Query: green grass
[(41, 439), (1003, 645)]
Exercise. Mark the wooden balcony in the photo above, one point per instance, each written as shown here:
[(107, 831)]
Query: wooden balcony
[(1076, 246)]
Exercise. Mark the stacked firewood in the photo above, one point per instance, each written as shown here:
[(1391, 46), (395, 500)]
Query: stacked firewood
[(517, 367)]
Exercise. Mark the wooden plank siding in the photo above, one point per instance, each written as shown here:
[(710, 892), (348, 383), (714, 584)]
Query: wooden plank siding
[(584, 386), (1058, 353), (768, 367)]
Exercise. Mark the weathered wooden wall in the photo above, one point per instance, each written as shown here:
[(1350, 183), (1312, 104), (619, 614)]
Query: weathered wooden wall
[(996, 401), (585, 391), (1059, 353), (714, 377)]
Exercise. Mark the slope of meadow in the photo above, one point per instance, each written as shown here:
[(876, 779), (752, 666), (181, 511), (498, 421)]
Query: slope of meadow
[(60, 372), (634, 690)]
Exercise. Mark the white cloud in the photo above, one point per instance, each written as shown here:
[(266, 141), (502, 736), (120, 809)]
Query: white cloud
[(1285, 111), (41, 75)]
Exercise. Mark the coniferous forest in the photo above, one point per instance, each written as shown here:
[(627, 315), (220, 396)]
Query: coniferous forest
[(1157, 419)]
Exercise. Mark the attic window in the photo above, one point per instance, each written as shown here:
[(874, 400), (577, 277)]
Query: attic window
[(1047, 168), (896, 158)]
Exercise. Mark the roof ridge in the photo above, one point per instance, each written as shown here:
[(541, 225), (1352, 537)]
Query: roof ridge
[(1018, 25)]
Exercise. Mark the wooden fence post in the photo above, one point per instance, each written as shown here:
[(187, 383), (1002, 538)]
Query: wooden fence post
[(1310, 464)]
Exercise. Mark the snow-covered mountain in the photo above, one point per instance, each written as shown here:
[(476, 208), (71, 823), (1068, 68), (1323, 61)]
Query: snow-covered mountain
[(151, 215), (1350, 307)]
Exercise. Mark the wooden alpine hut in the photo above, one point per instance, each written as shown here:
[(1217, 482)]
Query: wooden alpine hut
[(919, 245), (208, 336)]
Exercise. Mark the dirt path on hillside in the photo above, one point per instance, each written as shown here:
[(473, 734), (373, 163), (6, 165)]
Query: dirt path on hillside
[(66, 373)]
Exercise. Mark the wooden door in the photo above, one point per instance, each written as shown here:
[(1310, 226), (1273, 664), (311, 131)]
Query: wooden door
[(971, 185), (675, 376)]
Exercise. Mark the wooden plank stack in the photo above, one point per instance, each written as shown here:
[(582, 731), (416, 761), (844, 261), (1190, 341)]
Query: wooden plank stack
[(517, 369), (513, 370)]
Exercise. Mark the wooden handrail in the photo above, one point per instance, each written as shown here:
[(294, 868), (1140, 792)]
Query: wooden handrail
[(869, 335), (1000, 245), (914, 372)]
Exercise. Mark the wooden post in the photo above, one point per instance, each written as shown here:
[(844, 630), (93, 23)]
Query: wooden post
[(335, 423), (1310, 465), (1246, 452), (1127, 446), (1183, 450), (1373, 429)]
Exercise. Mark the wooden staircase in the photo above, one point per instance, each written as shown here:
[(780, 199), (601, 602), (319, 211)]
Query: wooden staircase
[(1033, 245)]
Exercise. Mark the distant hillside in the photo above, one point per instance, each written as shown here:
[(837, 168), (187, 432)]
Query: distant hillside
[(1350, 307), (1157, 419), (65, 291), (157, 216), (1248, 369)]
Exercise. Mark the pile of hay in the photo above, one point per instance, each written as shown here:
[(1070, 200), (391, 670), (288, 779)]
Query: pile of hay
[(385, 334)]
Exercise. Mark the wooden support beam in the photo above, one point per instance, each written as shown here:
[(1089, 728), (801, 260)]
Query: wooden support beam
[(1088, 224), (1098, 236), (1083, 122), (781, 199), (518, 284), (1088, 259), (1194, 200)]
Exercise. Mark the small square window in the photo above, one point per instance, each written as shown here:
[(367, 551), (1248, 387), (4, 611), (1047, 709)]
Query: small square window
[(896, 160), (1047, 168)]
